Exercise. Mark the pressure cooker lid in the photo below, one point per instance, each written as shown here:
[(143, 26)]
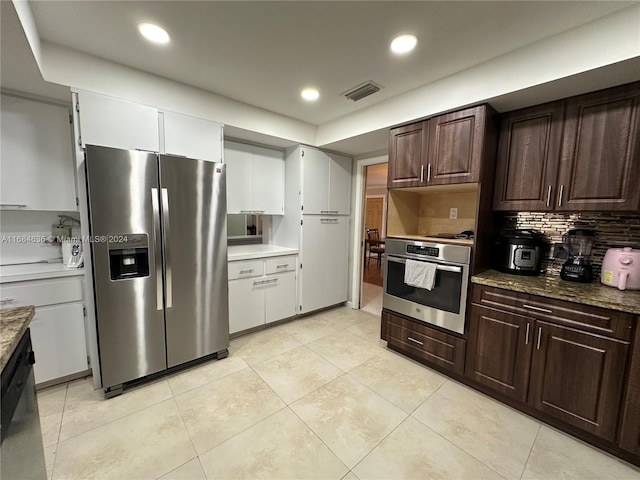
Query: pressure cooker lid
[(522, 234)]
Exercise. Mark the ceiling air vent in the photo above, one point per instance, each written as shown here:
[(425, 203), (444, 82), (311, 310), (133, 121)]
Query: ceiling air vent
[(361, 91)]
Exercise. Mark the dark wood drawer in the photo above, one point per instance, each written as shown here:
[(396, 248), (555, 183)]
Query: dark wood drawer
[(584, 317), (434, 346)]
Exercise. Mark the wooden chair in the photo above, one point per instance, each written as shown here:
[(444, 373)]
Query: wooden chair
[(375, 245)]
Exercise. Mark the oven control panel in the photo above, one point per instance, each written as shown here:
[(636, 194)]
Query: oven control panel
[(425, 251)]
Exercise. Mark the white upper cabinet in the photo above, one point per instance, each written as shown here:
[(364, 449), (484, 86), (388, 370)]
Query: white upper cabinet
[(326, 183), (112, 122), (255, 179), (36, 156), (191, 137)]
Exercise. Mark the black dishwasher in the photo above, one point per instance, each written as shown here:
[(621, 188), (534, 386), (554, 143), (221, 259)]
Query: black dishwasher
[(21, 452)]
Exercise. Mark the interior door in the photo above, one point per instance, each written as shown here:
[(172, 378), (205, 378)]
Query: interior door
[(195, 257), (123, 191), (373, 213)]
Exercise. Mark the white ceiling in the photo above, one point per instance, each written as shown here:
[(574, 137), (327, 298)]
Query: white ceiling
[(263, 53)]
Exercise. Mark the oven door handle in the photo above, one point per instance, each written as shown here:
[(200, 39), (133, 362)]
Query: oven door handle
[(445, 268)]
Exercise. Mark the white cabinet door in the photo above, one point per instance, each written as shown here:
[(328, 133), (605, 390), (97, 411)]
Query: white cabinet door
[(255, 179), (315, 181), (57, 334), (112, 122), (336, 236), (267, 180), (246, 304), (192, 137), (280, 296), (237, 156), (339, 184), (36, 156), (313, 274)]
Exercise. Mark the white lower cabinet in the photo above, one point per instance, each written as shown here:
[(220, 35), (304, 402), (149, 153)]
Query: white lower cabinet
[(57, 329), (261, 291), (57, 334)]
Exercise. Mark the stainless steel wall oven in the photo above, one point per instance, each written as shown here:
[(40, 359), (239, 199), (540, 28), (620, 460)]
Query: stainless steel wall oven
[(445, 304)]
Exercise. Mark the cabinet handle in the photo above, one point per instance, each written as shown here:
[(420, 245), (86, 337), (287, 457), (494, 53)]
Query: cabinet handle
[(526, 338), (421, 173), (560, 195), (6, 300), (18, 205), (259, 282), (537, 309), (284, 265), (415, 341), (273, 280), (328, 212), (246, 271), (428, 173), (328, 220), (549, 196), (539, 337)]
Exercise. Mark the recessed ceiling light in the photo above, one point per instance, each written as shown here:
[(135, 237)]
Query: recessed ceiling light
[(310, 94), (154, 33), (404, 43)]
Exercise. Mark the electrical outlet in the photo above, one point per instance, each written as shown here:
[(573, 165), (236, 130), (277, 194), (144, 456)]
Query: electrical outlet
[(453, 213)]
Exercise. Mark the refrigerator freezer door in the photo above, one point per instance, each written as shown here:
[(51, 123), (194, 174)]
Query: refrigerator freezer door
[(195, 247), (122, 191)]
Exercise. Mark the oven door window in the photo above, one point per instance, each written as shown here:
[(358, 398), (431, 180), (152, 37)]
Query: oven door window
[(445, 294)]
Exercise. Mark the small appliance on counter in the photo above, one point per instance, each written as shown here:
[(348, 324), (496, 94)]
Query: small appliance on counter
[(520, 251), (578, 244), (621, 268)]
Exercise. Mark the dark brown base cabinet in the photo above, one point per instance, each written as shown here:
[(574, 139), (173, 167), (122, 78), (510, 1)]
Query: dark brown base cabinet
[(423, 343), (630, 432), (523, 348)]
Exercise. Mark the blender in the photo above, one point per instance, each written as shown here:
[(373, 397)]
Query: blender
[(578, 244)]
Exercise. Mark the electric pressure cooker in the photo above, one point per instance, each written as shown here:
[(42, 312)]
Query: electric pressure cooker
[(520, 251)]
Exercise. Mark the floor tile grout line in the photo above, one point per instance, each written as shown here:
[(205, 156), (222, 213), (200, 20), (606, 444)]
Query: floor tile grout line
[(459, 448), (64, 405), (188, 433), (535, 439), (209, 381), (319, 437), (118, 418)]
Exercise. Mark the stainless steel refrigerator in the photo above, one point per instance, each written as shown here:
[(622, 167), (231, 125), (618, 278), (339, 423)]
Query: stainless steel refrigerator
[(159, 251)]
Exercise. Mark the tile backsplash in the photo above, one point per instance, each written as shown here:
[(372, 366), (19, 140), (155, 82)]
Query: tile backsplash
[(613, 230)]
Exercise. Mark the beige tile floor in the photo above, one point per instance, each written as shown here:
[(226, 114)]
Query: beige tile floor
[(320, 397)]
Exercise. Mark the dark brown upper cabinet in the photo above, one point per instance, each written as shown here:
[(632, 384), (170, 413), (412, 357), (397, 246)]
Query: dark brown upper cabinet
[(600, 165), (455, 147), (447, 149), (406, 167), (578, 154), (529, 146)]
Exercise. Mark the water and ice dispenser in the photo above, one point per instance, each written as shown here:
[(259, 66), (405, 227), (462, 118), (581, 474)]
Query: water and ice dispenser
[(128, 256)]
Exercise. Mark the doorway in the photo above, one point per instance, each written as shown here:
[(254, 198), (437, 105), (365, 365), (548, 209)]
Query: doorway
[(373, 235)]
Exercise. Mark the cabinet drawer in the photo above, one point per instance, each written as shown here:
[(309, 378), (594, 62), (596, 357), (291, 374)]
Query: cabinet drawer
[(585, 317), (246, 269), (41, 292), (431, 345), (281, 264)]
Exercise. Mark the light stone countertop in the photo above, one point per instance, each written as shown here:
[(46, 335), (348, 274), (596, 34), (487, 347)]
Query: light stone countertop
[(248, 252), (36, 271), (552, 286), (13, 324)]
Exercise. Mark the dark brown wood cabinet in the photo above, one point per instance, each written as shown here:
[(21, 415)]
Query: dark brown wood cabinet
[(578, 154), (600, 166), (406, 146), (447, 149), (577, 377), (565, 360), (455, 146), (499, 351), (423, 343), (529, 147), (630, 431)]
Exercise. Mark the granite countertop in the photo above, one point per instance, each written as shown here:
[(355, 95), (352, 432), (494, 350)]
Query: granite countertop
[(36, 271), (13, 324), (247, 252), (552, 286)]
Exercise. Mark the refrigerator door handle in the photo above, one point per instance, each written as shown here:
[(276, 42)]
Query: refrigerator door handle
[(155, 204), (167, 246)]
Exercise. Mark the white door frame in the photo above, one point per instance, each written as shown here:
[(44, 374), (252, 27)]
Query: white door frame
[(358, 222)]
